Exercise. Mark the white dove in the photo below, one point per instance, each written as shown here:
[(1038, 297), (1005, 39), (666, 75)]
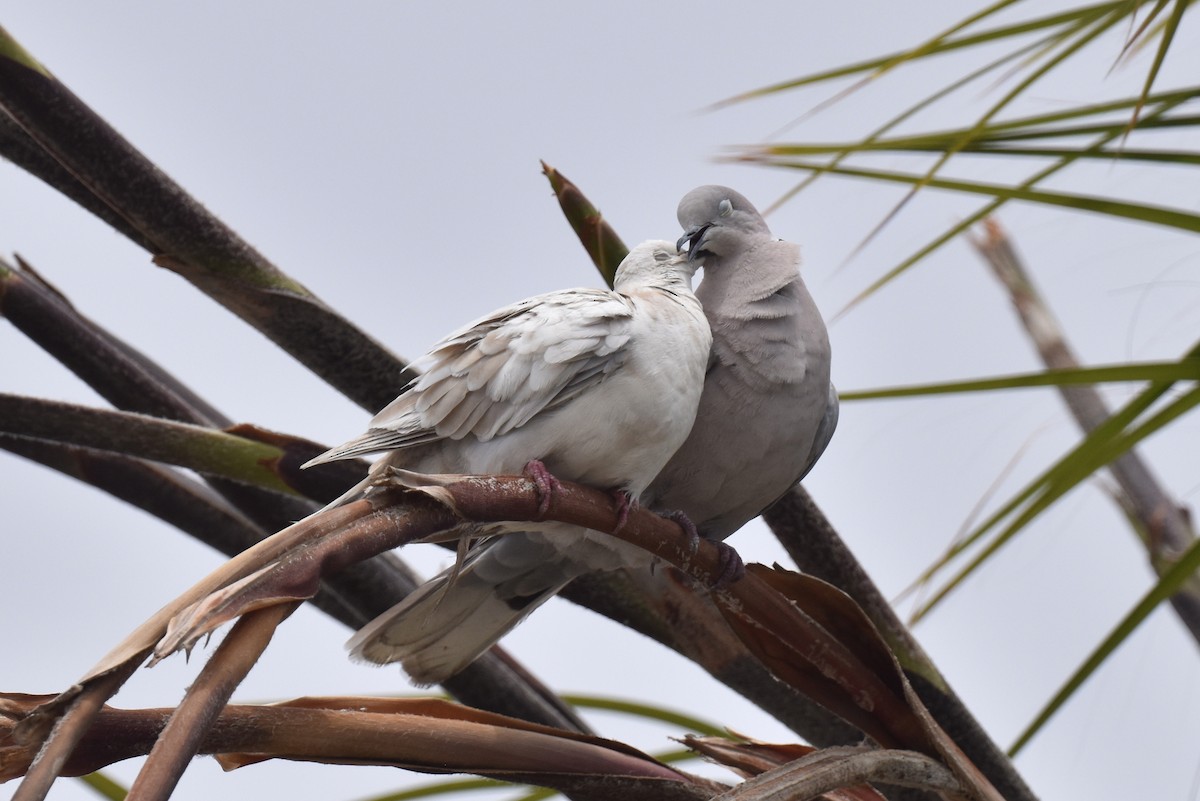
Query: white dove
[(600, 387)]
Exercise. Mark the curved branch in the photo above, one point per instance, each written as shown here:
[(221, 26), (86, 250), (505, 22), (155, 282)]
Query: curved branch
[(836, 768), (1161, 523)]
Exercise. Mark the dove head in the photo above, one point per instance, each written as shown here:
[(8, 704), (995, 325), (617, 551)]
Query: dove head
[(654, 263), (717, 220)]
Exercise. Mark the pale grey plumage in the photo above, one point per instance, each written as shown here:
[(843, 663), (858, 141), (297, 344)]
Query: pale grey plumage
[(601, 386), (451, 619), (768, 408)]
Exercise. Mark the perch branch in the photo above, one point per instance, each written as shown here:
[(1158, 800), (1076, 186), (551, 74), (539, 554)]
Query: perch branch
[(1162, 524)]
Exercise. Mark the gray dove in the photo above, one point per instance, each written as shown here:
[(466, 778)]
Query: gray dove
[(768, 408), (593, 386)]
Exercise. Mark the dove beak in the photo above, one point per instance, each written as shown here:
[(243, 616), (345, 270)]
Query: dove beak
[(692, 237)]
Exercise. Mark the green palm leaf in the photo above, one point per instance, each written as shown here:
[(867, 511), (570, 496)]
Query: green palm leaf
[(1098, 449), (1182, 370), (940, 44), (1142, 212)]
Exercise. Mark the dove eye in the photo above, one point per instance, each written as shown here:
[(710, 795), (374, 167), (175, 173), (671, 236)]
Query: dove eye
[(725, 207)]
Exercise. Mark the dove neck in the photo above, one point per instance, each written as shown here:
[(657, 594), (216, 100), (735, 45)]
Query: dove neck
[(759, 274)]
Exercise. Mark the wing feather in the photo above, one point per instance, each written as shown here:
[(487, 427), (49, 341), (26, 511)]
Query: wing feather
[(462, 420), (494, 375), (484, 371)]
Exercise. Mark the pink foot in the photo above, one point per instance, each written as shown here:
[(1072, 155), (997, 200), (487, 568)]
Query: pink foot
[(625, 505), (545, 482)]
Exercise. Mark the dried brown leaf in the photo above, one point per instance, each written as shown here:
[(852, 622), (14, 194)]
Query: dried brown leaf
[(801, 652), (745, 756), (427, 735)]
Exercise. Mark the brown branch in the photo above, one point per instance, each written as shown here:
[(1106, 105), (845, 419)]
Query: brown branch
[(837, 768), (432, 735), (420, 734), (807, 633), (296, 558), (60, 735), (79, 704), (191, 721), (1161, 523)]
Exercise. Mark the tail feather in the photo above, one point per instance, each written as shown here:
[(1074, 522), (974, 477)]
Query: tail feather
[(453, 618)]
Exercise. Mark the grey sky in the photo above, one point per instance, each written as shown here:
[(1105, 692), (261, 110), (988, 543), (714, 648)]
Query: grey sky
[(386, 155)]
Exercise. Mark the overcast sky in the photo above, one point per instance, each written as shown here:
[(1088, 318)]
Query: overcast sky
[(386, 156)]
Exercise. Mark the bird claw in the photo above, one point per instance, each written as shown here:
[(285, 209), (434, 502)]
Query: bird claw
[(730, 567), (689, 528), (625, 504), (545, 482)]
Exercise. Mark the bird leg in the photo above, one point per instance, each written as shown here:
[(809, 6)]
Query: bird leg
[(544, 481)]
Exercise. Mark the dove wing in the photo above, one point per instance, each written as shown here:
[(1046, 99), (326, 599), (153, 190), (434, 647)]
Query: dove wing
[(497, 373)]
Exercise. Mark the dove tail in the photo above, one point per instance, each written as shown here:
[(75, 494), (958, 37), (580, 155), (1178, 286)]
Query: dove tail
[(454, 617)]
